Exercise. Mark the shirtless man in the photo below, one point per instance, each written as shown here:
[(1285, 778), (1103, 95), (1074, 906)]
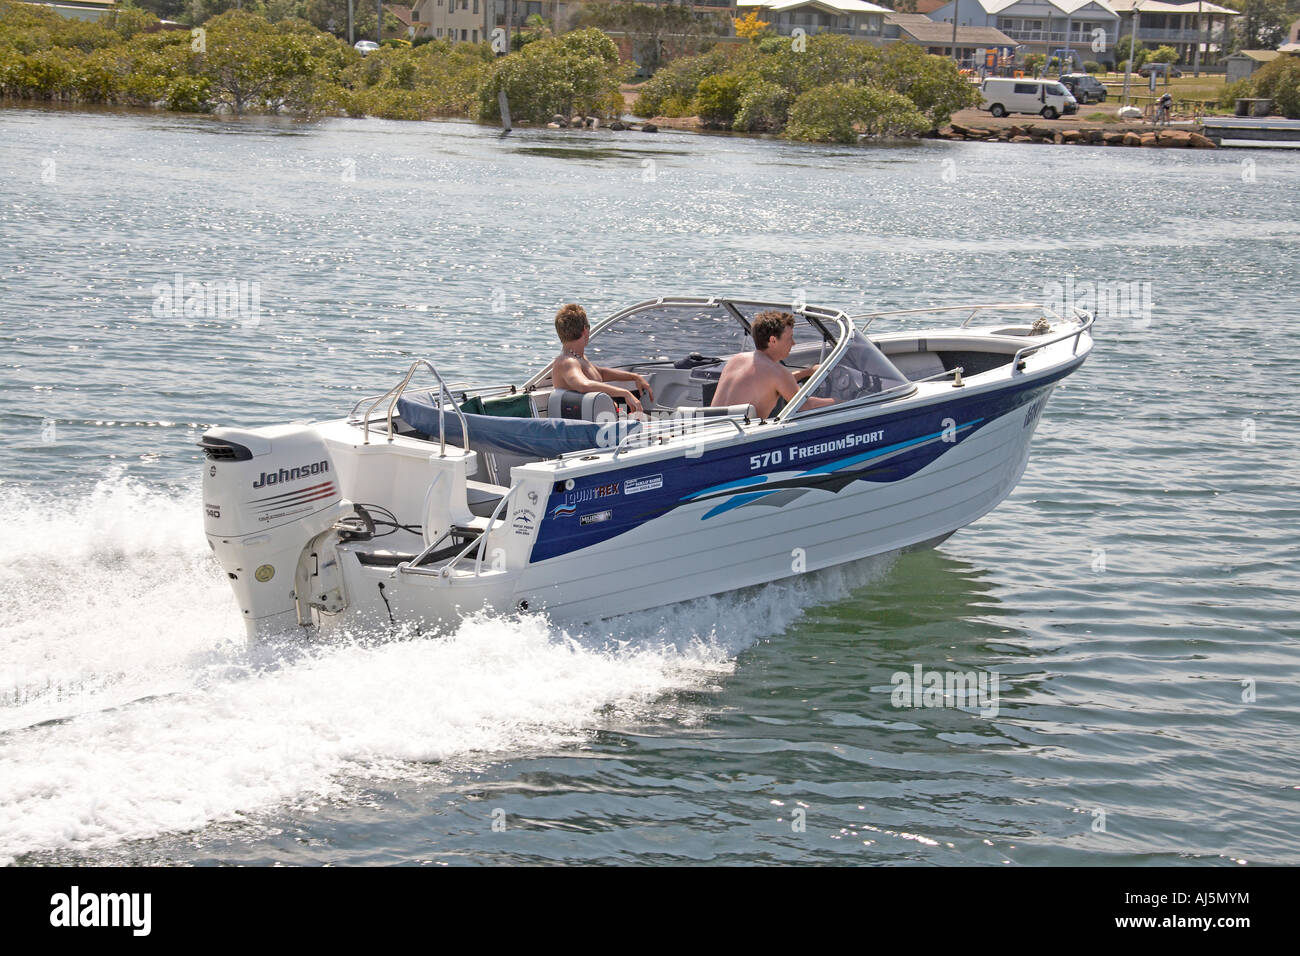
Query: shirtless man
[(574, 371), (759, 378)]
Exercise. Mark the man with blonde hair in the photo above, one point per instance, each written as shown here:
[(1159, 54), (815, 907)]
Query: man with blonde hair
[(572, 370)]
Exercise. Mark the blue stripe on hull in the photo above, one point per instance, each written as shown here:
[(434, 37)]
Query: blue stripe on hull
[(614, 503)]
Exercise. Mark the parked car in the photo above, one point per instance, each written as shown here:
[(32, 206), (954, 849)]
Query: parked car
[(1085, 87), (365, 46), (1160, 69), (1048, 98)]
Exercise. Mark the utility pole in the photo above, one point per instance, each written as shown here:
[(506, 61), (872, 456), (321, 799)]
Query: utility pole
[(1069, 53), (379, 23), (351, 38), (1132, 49), (1196, 56), (955, 5)]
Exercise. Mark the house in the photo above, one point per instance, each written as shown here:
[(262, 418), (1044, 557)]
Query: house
[(457, 21), (1087, 27), (1292, 44), (1245, 62), (936, 38), (855, 18), (403, 15), (1183, 25)]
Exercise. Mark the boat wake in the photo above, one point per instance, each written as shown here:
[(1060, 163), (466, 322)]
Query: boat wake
[(131, 706)]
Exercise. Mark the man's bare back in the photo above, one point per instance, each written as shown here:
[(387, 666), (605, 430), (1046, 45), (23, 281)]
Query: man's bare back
[(572, 369), (752, 378), (758, 378)]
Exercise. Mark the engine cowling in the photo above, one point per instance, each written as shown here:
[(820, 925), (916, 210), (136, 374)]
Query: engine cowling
[(267, 492)]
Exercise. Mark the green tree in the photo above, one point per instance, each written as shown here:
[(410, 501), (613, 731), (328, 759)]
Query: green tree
[(535, 28), (1280, 82), (332, 17), (932, 83), (1140, 52), (839, 113), (718, 99), (127, 19), (679, 80), (249, 64), (764, 107), (578, 72), (1262, 25), (1162, 54)]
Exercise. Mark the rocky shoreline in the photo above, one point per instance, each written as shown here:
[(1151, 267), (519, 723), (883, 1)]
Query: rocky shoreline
[(558, 121), (1091, 136)]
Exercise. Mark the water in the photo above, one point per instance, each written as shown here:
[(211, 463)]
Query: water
[(1137, 596)]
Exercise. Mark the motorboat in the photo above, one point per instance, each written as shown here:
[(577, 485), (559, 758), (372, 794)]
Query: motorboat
[(437, 498)]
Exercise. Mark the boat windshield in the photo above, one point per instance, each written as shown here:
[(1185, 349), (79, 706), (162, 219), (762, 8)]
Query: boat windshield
[(862, 370), (666, 333)]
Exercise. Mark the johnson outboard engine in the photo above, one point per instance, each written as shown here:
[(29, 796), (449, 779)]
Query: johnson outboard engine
[(267, 492)]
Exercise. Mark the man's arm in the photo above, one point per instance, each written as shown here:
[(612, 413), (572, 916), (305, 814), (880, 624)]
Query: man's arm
[(568, 373), (787, 386), (622, 375)]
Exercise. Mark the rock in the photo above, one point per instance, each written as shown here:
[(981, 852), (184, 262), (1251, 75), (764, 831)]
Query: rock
[(1017, 131), (1132, 139), (559, 121), (1147, 139), (976, 133), (649, 128), (554, 126), (617, 126), (947, 132), (1174, 138), (1114, 139), (959, 129), (1071, 135), (1198, 141), (1096, 136), (1058, 138), (1021, 139)]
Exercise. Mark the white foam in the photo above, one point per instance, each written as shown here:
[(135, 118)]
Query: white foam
[(223, 732)]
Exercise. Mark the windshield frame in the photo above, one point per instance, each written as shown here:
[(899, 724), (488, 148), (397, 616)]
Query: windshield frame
[(832, 325)]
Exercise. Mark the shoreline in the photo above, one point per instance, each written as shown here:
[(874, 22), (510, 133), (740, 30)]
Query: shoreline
[(965, 125)]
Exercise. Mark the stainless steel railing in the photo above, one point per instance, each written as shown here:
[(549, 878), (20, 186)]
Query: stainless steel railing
[(444, 399), (1086, 320), (974, 311)]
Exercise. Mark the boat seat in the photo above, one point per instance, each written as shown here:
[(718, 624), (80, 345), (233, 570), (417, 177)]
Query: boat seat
[(585, 406), (483, 497), (918, 364)]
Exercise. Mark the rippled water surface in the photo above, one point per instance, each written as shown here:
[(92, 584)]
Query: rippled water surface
[(1137, 596)]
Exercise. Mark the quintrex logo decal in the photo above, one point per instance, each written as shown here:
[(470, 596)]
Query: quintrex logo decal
[(574, 498), (291, 474)]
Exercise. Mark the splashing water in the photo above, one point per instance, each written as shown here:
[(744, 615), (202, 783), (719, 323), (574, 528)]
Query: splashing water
[(130, 705)]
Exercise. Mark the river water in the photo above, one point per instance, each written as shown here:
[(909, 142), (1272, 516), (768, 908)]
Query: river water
[(1137, 596)]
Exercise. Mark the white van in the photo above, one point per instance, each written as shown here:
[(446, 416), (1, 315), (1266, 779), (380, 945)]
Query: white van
[(1048, 98)]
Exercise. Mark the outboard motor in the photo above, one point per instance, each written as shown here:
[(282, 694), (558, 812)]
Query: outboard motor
[(267, 492)]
